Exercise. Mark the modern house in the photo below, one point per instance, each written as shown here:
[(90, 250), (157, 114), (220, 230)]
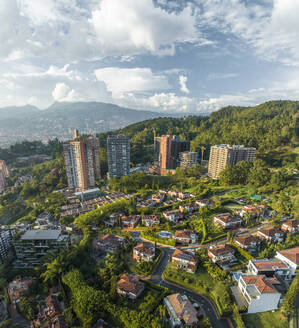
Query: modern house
[(173, 216), (188, 208), (204, 202), (186, 236), (271, 234), (144, 252), (247, 242), (291, 226), (221, 254), (259, 293), (150, 220), (185, 260), (109, 243), (269, 268), (227, 221), (180, 311), (129, 286), (290, 257), (130, 221)]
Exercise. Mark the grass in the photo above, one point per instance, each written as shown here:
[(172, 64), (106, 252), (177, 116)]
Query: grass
[(265, 320)]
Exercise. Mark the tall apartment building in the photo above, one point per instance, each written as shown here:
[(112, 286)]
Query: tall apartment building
[(2, 181), (5, 242), (82, 162), (34, 244), (4, 168), (222, 155), (167, 150), (118, 149), (188, 158)]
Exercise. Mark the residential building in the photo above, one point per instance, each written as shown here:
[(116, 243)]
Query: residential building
[(188, 158), (82, 163), (151, 220), (109, 243), (185, 260), (2, 181), (290, 257), (247, 242), (221, 254), (259, 293), (118, 151), (169, 147), (34, 244), (19, 287), (222, 155), (269, 268), (186, 236), (114, 218), (227, 220), (4, 168), (189, 208), (271, 234), (180, 311), (5, 242), (173, 216), (253, 211), (159, 197), (144, 252), (129, 286), (291, 226), (130, 221), (204, 202)]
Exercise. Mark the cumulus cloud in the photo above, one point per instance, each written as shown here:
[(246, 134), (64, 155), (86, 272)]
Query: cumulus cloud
[(63, 92), (183, 83), (122, 80)]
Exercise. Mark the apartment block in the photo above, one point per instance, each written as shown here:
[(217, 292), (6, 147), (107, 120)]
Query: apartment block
[(2, 181), (4, 168), (5, 242), (82, 162), (118, 149), (222, 155), (34, 244), (188, 158)]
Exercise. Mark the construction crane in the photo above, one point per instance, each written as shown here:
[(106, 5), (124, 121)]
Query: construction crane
[(202, 152)]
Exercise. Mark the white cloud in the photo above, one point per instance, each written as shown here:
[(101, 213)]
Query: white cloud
[(183, 83), (122, 80), (63, 92), (220, 76)]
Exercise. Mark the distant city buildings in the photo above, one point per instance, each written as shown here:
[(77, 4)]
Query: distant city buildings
[(188, 158), (82, 162), (222, 155), (118, 151)]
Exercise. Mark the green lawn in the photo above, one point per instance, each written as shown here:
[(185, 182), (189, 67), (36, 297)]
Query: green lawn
[(265, 320)]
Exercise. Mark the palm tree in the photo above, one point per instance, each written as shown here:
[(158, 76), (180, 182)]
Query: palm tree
[(54, 270)]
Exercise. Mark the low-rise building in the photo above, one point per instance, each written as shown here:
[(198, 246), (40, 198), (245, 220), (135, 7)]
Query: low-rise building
[(185, 260), (269, 268), (173, 216), (259, 293), (247, 242), (151, 220), (34, 244), (221, 254), (114, 218), (144, 252), (109, 243), (271, 234), (130, 221), (291, 226), (204, 202), (186, 236), (290, 257), (188, 208), (159, 197), (180, 311), (253, 211), (18, 288), (129, 286), (227, 221)]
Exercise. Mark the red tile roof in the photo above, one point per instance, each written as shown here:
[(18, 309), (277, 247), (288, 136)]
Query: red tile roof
[(262, 283), (247, 240), (263, 265), (291, 223), (130, 283), (270, 232), (291, 254), (221, 250)]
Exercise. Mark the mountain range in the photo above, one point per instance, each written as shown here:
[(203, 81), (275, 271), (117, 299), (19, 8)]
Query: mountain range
[(58, 120)]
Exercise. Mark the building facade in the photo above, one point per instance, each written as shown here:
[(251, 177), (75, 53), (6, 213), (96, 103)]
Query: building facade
[(188, 158), (2, 181), (82, 162), (118, 151), (5, 243), (222, 155), (4, 168)]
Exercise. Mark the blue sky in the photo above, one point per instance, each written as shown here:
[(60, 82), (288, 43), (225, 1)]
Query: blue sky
[(162, 55)]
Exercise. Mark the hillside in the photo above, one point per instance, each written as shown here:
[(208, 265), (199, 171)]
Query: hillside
[(57, 121), (266, 127)]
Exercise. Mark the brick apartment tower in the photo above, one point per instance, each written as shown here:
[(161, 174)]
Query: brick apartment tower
[(82, 162), (118, 151), (222, 155)]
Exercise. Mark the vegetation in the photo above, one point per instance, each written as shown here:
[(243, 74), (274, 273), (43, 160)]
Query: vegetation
[(289, 300), (265, 320)]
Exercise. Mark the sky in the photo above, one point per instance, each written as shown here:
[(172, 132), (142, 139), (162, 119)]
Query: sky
[(185, 56)]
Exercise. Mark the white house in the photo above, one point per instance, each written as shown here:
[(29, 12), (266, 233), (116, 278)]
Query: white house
[(291, 226), (173, 216), (271, 234), (227, 220), (290, 257), (269, 268), (259, 293), (221, 254)]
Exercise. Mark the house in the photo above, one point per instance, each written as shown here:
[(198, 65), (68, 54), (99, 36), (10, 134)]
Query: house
[(188, 208), (247, 242), (109, 243), (114, 218), (186, 236), (291, 226), (259, 293), (173, 216), (269, 268), (253, 211), (129, 286), (221, 254), (204, 202), (271, 234), (18, 288), (185, 260), (180, 311), (130, 221), (150, 220), (159, 197), (144, 252), (227, 220), (290, 257)]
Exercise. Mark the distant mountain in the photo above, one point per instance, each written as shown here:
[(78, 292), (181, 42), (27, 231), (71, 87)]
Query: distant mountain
[(30, 123)]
